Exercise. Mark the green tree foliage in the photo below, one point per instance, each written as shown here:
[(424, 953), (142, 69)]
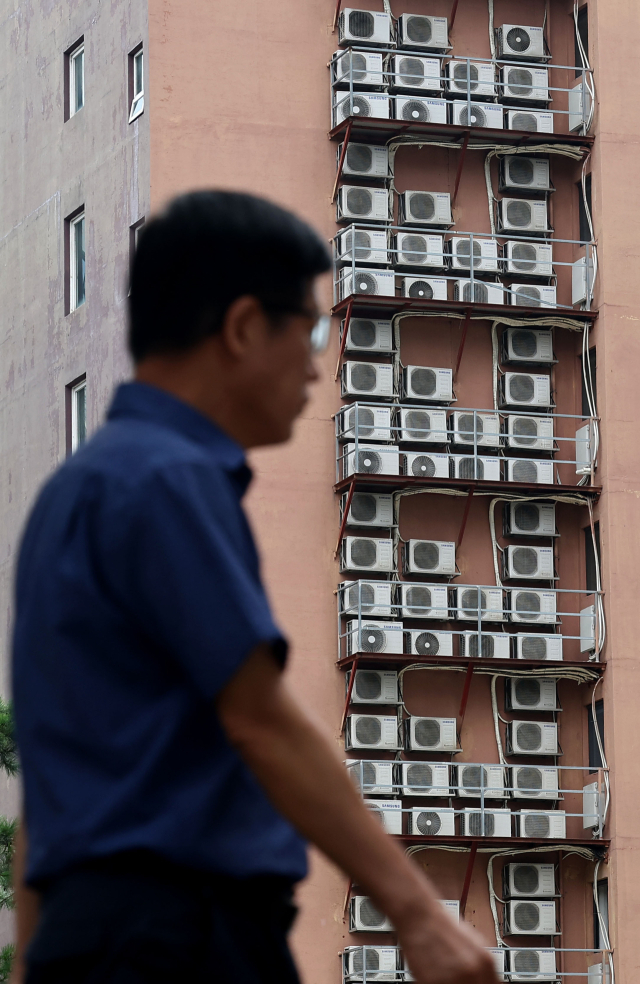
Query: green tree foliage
[(8, 751), (6, 960), (8, 763)]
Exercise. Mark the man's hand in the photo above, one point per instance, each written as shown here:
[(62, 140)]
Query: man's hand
[(439, 951)]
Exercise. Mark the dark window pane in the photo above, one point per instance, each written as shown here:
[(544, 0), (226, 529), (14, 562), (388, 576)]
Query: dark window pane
[(590, 561), (595, 759), (585, 231), (586, 412), (583, 31)]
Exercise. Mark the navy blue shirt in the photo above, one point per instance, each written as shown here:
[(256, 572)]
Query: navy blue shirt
[(138, 597)]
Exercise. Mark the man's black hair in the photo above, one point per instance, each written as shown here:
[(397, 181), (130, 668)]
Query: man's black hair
[(204, 251)]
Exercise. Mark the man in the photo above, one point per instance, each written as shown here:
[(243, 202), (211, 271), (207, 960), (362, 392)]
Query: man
[(168, 774)]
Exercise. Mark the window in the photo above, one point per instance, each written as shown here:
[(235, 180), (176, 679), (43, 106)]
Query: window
[(134, 235), (76, 79), (136, 84), (77, 266), (586, 412), (595, 759), (76, 412), (585, 231), (583, 34), (599, 942), (590, 555)]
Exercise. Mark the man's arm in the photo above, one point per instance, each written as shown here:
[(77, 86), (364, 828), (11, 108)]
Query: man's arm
[(27, 902), (306, 781)]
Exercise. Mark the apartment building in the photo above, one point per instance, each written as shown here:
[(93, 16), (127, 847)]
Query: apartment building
[(449, 540)]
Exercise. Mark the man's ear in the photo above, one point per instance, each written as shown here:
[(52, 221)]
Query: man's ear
[(243, 325)]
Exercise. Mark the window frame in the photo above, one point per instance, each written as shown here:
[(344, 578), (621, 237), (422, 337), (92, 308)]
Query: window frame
[(73, 222), (72, 390), (136, 96), (72, 71), (134, 233)]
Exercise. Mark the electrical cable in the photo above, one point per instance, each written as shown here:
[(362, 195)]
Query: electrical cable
[(492, 37), (602, 926)]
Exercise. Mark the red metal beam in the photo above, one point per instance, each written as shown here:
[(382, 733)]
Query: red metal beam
[(467, 878), (344, 516), (463, 154), (465, 517), (336, 15), (454, 11), (465, 329), (465, 692), (343, 340), (343, 154), (352, 677)]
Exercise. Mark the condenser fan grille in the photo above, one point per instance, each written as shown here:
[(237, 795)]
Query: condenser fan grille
[(524, 561), (473, 117), (526, 916), (523, 343), (355, 106), (428, 823), (361, 592), (361, 24), (363, 419), (368, 685), (422, 206), (424, 382), (359, 158), (427, 732), (369, 915), (487, 648), (426, 555), (359, 201), (365, 283), (363, 553), (470, 468), (419, 29), (368, 774), (414, 249), (427, 644), (481, 824), (537, 825), (524, 258), (421, 288), (521, 388), (529, 736), (463, 251), (369, 958), (415, 112), (525, 431), (420, 776), (417, 424), (465, 77), (527, 297), (525, 121), (418, 600), (362, 244), (368, 730), (527, 517), (363, 507), (527, 604), (362, 333), (534, 647), (369, 462), (526, 962), (364, 377), (480, 293), (466, 428), (527, 692), (372, 639), (411, 71), (519, 213), (354, 65), (525, 879), (474, 778), (520, 171), (518, 39), (423, 466), (521, 80), (529, 780), (525, 471), (469, 601)]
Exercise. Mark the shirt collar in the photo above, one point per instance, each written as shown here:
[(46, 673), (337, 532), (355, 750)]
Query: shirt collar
[(145, 402)]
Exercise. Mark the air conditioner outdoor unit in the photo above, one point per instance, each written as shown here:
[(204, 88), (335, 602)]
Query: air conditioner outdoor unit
[(530, 918), (362, 246), (470, 466), (425, 642), (370, 459), (357, 69), (485, 254), (480, 429), (364, 160), (529, 345), (479, 293), (367, 378), (598, 974), (530, 563), (357, 202), (593, 802), (533, 965), (534, 782), (475, 77), (525, 389), (530, 519), (486, 823), (485, 645), (425, 779), (431, 734), (372, 777), (424, 289), (528, 259), (452, 906), (579, 107), (522, 215), (364, 553), (465, 604), (531, 694), (480, 781), (417, 31), (548, 824), (425, 208), (499, 959), (420, 109), (532, 737), (427, 383), (364, 27), (585, 446), (588, 629), (478, 115), (524, 84), (365, 918), (369, 423), (524, 173), (381, 283), (538, 647), (373, 687), (429, 557), (582, 281), (411, 72), (425, 426), (389, 812), (531, 295), (529, 472), (372, 731), (366, 598), (425, 601), (360, 105), (369, 509), (533, 606), (368, 335), (516, 41), (417, 249), (374, 637), (380, 963), (426, 465), (527, 120), (432, 823)]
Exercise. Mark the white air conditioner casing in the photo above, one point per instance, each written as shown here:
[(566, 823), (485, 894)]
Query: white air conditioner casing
[(480, 429), (477, 781), (584, 449), (426, 642), (465, 604), (485, 254), (420, 109), (482, 293), (486, 823), (593, 802), (529, 472), (380, 283), (534, 782), (582, 281), (478, 115), (381, 963), (452, 906), (372, 731), (529, 563), (598, 974), (533, 965), (528, 260), (418, 31), (532, 694), (524, 84), (424, 288), (516, 41), (373, 687), (424, 601), (531, 295), (369, 509), (487, 645), (426, 465), (372, 597), (364, 160), (498, 954), (367, 379), (471, 467), (423, 425), (369, 423), (358, 68), (476, 77), (418, 249), (530, 518), (431, 734), (370, 459), (432, 823), (547, 824), (430, 557), (525, 173), (360, 105), (533, 737), (365, 553), (528, 345), (427, 383), (359, 203), (530, 918), (538, 646), (369, 636), (588, 629), (525, 389), (579, 106), (530, 606), (529, 121), (425, 208), (368, 245), (362, 27), (426, 779), (365, 918), (368, 335), (372, 777), (415, 73), (523, 215), (389, 813)]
